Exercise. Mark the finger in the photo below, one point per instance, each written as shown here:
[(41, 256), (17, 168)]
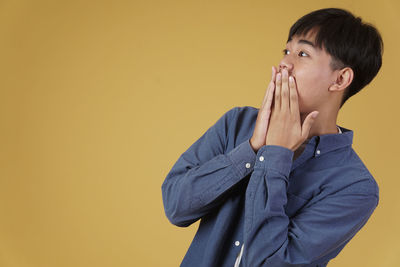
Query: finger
[(285, 91), (270, 97), (274, 73), (277, 104), (294, 100), (308, 122), (274, 85), (265, 110), (270, 85)]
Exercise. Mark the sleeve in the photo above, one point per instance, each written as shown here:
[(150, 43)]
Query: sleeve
[(205, 172), (272, 239)]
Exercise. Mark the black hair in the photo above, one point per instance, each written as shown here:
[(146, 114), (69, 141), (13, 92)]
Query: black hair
[(350, 42)]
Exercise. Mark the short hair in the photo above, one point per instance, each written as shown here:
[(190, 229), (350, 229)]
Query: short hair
[(350, 42)]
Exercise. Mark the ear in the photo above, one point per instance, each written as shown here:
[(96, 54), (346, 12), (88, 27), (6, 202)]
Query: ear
[(344, 78)]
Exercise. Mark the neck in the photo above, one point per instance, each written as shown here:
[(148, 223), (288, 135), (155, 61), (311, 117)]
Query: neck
[(325, 123)]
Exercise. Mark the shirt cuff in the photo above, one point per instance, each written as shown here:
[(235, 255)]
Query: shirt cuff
[(243, 158), (273, 157)]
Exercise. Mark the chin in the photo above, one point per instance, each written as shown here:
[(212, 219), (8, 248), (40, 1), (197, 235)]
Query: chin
[(305, 109)]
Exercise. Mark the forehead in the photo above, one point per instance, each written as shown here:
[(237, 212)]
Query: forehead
[(307, 34), (308, 39)]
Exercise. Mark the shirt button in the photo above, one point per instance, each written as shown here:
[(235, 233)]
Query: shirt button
[(318, 152), (237, 243), (261, 158), (248, 165)]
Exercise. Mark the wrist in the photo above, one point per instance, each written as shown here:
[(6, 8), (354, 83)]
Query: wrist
[(255, 149)]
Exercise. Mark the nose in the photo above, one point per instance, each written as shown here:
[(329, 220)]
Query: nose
[(285, 64)]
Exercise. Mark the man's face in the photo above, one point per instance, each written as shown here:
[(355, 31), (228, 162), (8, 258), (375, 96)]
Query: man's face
[(310, 66)]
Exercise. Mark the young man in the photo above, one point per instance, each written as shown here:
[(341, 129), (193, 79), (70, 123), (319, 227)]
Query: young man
[(275, 186)]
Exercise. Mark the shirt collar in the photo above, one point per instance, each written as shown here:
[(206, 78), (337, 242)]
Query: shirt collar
[(326, 143)]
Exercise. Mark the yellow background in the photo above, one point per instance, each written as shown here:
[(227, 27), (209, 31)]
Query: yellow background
[(98, 99)]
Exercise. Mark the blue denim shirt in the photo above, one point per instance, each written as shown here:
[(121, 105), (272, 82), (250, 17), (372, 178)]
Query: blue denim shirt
[(283, 212)]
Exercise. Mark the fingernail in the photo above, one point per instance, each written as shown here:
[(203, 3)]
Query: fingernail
[(291, 79), (315, 115)]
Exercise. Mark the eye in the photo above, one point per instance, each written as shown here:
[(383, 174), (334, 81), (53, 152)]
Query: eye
[(302, 54), (285, 52)]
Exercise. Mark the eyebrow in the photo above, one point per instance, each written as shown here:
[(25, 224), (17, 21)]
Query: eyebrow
[(303, 41)]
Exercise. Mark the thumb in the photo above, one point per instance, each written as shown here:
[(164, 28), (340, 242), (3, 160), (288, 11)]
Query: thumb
[(308, 122)]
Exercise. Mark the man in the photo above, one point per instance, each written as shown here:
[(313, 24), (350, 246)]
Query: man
[(277, 186)]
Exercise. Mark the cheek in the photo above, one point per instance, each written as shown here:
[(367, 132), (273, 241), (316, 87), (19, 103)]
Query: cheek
[(306, 84), (311, 82), (310, 86)]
